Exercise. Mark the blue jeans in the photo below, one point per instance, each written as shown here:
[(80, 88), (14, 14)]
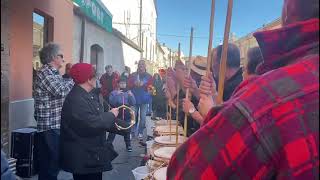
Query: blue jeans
[(6, 173), (149, 108), (142, 120), (49, 154)]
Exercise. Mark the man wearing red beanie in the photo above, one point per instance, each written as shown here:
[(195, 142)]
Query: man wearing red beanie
[(83, 146)]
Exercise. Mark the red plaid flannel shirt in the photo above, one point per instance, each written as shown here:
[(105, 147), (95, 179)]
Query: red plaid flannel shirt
[(269, 129)]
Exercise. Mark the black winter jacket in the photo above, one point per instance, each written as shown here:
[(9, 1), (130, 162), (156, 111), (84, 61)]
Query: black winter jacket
[(83, 145)]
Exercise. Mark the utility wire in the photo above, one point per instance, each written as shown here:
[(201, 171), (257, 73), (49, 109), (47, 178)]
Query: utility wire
[(182, 36)]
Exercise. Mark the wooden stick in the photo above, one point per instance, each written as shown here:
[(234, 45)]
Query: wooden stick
[(170, 109), (187, 91), (178, 93), (224, 56), (210, 37), (169, 117), (168, 99), (167, 110), (177, 115)]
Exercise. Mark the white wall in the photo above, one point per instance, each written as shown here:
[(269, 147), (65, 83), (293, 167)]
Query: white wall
[(128, 11), (115, 51), (131, 56)]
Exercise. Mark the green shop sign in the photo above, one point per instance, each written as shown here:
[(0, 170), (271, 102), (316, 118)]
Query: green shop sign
[(97, 12)]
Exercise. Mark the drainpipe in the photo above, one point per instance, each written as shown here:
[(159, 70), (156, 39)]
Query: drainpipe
[(83, 30)]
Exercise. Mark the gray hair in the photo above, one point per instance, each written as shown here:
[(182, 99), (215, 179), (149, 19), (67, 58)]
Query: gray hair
[(49, 52)]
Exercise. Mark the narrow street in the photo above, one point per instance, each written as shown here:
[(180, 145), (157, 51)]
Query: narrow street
[(122, 165)]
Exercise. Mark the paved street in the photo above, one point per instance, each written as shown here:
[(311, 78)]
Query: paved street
[(122, 165)]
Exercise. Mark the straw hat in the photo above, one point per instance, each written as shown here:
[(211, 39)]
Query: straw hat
[(199, 65)]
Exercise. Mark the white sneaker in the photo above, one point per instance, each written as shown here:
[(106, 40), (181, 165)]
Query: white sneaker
[(140, 136)]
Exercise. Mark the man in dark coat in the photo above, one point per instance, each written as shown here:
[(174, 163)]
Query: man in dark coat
[(84, 149), (233, 70)]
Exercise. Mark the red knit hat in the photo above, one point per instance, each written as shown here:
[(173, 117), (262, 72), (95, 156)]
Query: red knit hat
[(81, 72)]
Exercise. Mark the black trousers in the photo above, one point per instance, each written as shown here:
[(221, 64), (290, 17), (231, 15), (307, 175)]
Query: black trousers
[(93, 176), (126, 137)]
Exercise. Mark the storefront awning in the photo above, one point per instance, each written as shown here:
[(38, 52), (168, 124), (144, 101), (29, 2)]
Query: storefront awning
[(97, 12)]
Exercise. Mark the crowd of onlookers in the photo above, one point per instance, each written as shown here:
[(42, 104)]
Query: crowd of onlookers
[(74, 112)]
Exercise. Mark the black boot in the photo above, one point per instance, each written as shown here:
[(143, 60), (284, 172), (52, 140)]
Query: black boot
[(128, 146)]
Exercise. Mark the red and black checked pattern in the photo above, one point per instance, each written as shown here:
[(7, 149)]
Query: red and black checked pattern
[(269, 129)]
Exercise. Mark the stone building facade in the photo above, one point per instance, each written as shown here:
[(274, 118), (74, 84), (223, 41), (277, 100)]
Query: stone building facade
[(246, 42)]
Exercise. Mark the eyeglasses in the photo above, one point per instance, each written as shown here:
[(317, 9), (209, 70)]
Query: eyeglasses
[(60, 55)]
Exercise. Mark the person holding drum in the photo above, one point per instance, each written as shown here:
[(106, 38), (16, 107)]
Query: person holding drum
[(83, 147), (122, 96), (179, 76)]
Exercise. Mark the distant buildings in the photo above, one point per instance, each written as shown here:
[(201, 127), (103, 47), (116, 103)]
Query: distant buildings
[(246, 42), (126, 19)]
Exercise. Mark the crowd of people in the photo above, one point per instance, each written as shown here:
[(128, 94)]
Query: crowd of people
[(74, 112), (267, 127)]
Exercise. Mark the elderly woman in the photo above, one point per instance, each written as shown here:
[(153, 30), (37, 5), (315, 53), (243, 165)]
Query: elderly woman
[(84, 149)]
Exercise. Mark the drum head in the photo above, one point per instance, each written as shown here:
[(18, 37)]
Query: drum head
[(167, 140), (165, 152), (160, 174), (165, 122), (166, 129)]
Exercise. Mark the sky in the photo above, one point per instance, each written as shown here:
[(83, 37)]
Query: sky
[(37, 18), (175, 18)]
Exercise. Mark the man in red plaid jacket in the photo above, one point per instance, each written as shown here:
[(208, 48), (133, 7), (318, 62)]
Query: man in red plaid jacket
[(269, 129)]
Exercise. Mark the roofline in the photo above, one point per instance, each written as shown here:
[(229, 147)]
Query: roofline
[(160, 47), (260, 28), (126, 40)]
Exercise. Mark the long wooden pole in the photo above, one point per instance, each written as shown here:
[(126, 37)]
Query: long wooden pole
[(170, 108), (178, 93), (210, 37), (188, 90), (140, 30), (223, 62)]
